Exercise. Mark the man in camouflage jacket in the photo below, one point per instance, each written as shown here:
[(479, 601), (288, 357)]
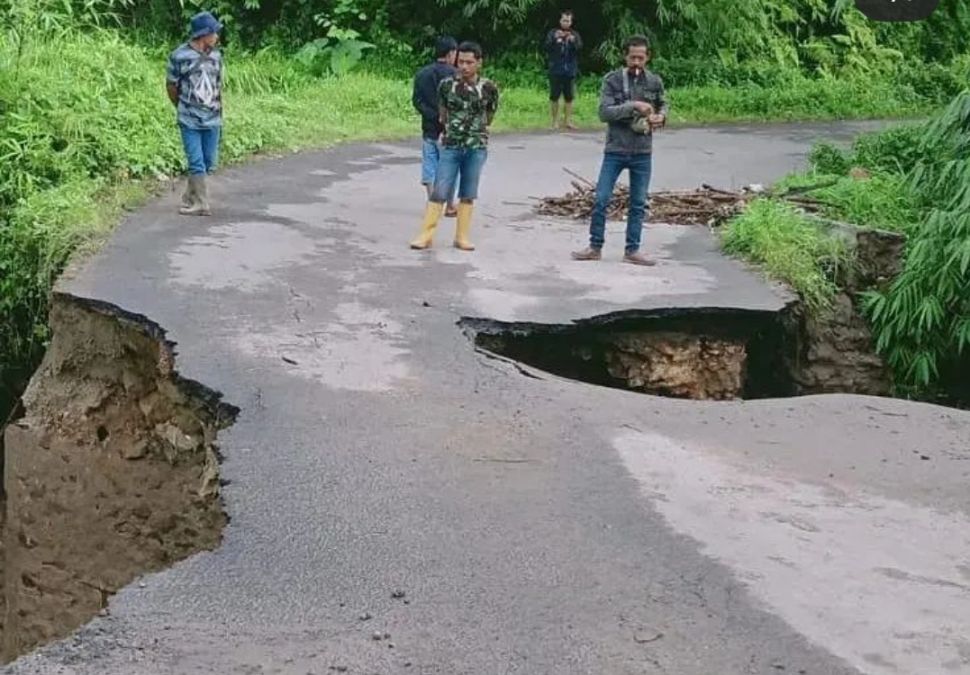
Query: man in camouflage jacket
[(467, 106)]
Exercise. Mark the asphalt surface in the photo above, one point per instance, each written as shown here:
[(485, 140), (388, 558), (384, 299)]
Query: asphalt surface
[(536, 526)]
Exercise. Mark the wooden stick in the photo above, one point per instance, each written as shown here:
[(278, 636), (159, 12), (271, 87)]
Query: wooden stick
[(576, 175)]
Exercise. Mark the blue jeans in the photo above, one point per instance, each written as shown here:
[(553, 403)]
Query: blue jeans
[(461, 167), (614, 163), (430, 158), (201, 149)]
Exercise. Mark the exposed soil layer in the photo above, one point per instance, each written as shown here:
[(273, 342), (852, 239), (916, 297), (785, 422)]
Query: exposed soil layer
[(718, 354), (833, 352), (110, 473), (686, 353)]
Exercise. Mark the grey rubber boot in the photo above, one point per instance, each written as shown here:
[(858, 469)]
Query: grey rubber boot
[(202, 195), (187, 197), (198, 202)]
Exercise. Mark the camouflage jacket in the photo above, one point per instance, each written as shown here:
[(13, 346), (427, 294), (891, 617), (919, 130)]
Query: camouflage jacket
[(468, 112)]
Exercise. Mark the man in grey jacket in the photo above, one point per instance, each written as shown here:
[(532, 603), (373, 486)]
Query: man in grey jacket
[(633, 106)]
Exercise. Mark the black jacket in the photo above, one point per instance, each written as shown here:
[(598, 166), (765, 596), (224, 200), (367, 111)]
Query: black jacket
[(563, 57), (425, 96)]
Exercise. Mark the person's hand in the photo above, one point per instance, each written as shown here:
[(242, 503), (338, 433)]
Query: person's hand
[(643, 108), (657, 120)]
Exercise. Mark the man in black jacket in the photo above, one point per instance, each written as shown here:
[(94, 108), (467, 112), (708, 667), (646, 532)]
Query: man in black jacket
[(425, 100), (562, 47), (633, 105)]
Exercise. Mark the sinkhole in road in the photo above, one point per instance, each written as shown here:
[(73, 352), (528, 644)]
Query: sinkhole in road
[(689, 353)]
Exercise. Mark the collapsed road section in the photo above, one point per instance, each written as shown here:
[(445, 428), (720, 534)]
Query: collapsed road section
[(111, 471), (699, 353)]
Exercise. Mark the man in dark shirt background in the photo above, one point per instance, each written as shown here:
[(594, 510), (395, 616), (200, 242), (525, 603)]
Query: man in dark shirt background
[(425, 100), (562, 47)]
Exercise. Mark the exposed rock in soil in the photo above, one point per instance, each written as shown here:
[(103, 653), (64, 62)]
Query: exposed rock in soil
[(688, 353), (877, 254), (834, 352), (879, 258), (678, 365), (111, 473)]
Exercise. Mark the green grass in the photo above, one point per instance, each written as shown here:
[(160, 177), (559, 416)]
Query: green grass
[(798, 99), (788, 247), (878, 201)]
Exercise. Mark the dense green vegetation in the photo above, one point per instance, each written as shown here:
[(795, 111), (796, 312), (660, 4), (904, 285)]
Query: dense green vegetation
[(922, 320), (916, 181), (85, 128)]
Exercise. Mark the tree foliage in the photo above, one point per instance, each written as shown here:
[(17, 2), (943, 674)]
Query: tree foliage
[(696, 40)]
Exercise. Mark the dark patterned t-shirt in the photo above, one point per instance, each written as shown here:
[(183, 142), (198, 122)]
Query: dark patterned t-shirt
[(469, 107), (198, 77)]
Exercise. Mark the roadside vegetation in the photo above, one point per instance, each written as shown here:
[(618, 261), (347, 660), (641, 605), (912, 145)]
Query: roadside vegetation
[(783, 242), (86, 131), (913, 179)]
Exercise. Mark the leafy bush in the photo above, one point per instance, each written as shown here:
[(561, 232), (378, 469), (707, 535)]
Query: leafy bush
[(894, 150), (699, 42), (922, 321), (828, 159)]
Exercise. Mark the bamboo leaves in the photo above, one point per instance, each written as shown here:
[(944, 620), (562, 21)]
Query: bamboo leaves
[(922, 320)]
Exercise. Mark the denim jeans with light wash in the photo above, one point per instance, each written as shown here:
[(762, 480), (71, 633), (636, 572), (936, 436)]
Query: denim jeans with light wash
[(430, 158), (201, 149), (614, 163), (461, 167)]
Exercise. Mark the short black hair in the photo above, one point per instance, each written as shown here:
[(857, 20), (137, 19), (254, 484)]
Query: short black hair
[(444, 45), (636, 41), (469, 47), (566, 12)]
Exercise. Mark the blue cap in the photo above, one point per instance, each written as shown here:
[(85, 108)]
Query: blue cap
[(204, 24)]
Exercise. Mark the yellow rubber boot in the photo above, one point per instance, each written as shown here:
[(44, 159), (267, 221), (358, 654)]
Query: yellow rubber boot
[(464, 226), (432, 215)]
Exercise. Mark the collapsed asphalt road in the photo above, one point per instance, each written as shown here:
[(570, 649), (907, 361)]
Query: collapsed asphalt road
[(536, 526)]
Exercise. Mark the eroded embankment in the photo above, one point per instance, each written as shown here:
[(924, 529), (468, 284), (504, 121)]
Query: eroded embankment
[(111, 471)]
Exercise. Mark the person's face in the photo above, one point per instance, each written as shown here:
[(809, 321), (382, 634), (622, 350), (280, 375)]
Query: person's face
[(637, 57), (566, 21), (210, 41), (468, 65)]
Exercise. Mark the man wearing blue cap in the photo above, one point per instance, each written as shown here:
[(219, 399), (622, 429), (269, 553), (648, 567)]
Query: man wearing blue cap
[(195, 89), (425, 101)]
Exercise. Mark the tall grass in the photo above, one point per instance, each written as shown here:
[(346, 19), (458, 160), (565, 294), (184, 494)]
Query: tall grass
[(780, 239), (875, 200)]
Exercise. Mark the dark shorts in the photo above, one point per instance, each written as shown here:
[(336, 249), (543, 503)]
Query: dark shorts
[(563, 86)]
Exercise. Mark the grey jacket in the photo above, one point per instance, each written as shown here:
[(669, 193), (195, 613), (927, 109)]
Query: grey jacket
[(619, 92)]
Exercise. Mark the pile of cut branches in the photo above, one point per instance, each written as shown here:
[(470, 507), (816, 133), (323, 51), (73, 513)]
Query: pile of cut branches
[(706, 205)]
